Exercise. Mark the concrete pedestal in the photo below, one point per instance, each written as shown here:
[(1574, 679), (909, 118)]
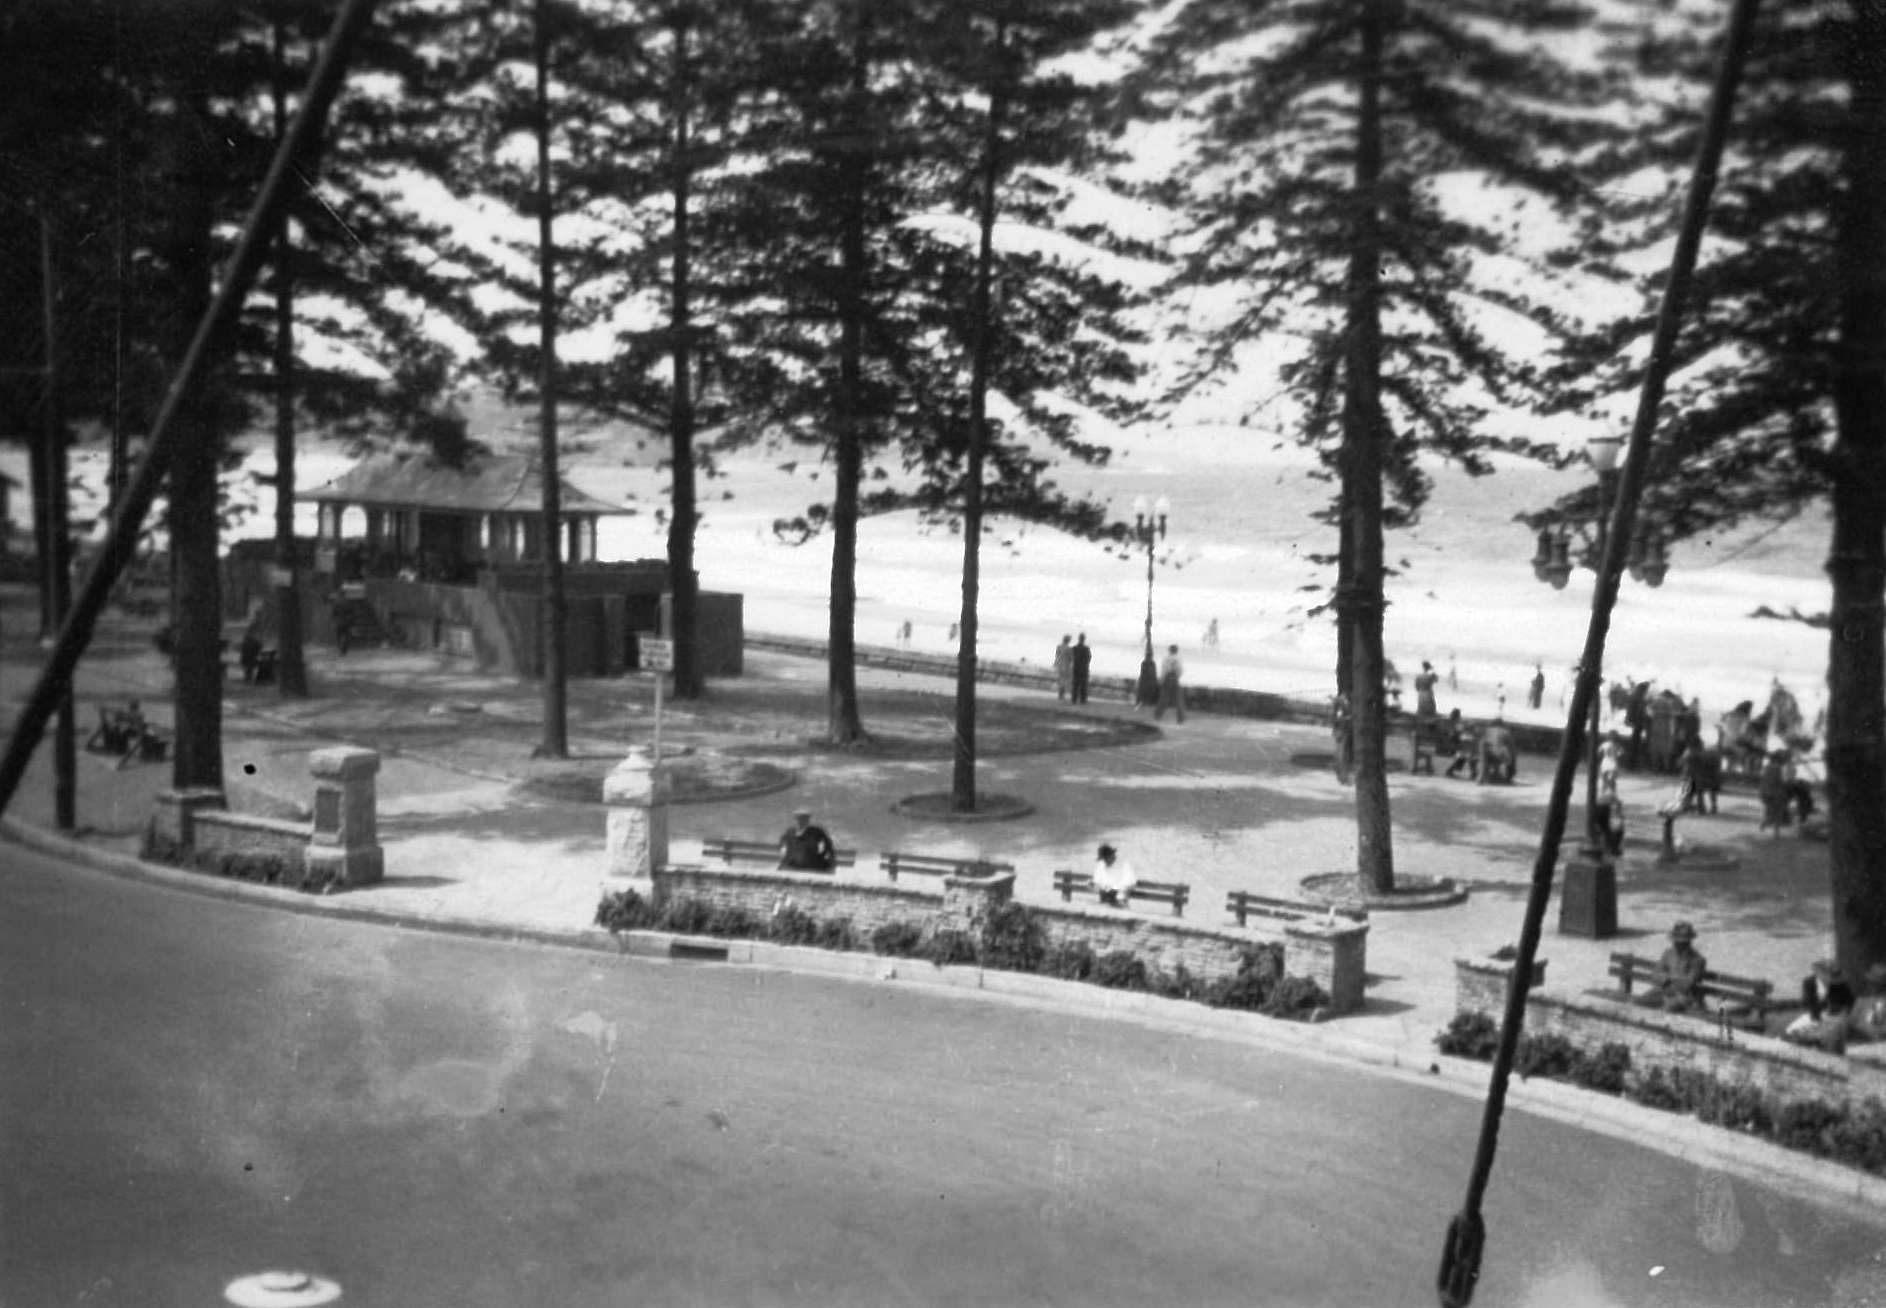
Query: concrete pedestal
[(636, 792), (344, 847), (1334, 955), (1588, 905)]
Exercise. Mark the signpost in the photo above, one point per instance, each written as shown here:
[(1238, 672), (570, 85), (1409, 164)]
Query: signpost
[(658, 656)]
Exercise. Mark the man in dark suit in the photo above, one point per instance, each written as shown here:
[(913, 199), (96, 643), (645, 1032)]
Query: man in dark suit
[(1083, 658)]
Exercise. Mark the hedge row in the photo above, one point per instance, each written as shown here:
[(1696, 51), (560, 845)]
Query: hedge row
[(1853, 1135), (1012, 939)]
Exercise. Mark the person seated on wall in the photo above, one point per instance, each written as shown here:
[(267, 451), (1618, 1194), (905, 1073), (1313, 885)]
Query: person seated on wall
[(1828, 1003), (805, 847), (1679, 987), (1499, 757), (1868, 1019)]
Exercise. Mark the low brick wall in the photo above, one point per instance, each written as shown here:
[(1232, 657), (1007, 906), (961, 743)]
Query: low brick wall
[(1673, 1041), (1330, 955), (218, 833)]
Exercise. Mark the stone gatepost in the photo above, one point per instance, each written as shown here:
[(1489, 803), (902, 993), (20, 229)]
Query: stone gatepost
[(173, 822), (968, 901), (636, 791), (1334, 955), (345, 846)]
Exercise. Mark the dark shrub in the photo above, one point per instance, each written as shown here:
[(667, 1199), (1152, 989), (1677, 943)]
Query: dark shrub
[(1470, 1035), (1013, 940), (898, 939), (946, 947), (688, 917), (1606, 1070), (734, 923), (1070, 960), (1294, 996), (1176, 984), (1260, 968), (1119, 970), (1860, 1140), (1654, 1090), (624, 910), (792, 925), (837, 933), (1808, 1125), (1546, 1054), (1740, 1107)]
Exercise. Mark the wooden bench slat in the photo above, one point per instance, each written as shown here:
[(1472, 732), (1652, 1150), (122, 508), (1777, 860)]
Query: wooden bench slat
[(934, 865), (1175, 893), (1240, 903), (729, 850)]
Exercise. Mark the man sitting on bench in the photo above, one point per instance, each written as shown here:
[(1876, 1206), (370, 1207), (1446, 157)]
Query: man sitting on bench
[(1680, 972), (805, 847)]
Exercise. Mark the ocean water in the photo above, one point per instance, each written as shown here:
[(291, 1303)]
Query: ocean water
[(1239, 547)]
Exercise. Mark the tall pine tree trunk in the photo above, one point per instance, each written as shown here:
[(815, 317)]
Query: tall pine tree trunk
[(554, 636), (57, 560), (291, 666), (196, 585), (846, 727), (1363, 432), (683, 586), (963, 783), (1856, 665)]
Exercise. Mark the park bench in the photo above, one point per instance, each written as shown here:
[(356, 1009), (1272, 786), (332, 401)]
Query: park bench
[(1424, 735), (1242, 904), (933, 866), (730, 851), (124, 732), (1741, 997), (1175, 893)]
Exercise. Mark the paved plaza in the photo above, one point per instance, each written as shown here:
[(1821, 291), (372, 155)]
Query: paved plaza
[(480, 835)]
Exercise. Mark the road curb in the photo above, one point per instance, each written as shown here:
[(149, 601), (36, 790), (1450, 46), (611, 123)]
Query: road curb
[(1797, 1174)]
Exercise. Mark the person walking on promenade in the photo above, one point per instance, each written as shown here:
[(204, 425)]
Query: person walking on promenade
[(1171, 693), (1081, 661), (1064, 667), (1113, 878), (1425, 709), (805, 847), (1343, 737), (1535, 689)]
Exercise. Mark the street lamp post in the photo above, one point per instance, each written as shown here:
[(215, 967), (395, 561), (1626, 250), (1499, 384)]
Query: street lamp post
[(1589, 906), (1149, 527)]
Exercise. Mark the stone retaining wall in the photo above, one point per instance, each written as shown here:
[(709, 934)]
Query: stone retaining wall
[(1673, 1041), (1332, 955)]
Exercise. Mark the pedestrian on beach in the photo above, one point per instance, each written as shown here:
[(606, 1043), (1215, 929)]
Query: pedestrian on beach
[(1535, 690), (1064, 667), (1171, 693), (805, 847), (1424, 692), (1113, 878), (1453, 677), (1211, 634), (1081, 661), (903, 635)]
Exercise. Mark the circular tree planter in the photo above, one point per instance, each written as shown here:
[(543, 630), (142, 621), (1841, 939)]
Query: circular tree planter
[(939, 806), (1343, 890)]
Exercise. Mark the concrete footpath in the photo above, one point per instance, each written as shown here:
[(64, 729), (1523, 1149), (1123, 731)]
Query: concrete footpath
[(482, 838)]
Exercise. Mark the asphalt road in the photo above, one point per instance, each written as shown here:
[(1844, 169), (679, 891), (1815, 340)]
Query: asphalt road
[(192, 1090)]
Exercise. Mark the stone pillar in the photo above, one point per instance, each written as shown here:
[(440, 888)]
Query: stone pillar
[(968, 901), (1334, 955), (345, 846), (636, 791), (173, 821)]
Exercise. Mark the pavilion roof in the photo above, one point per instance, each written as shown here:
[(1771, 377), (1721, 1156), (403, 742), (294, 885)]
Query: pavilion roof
[(487, 484)]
